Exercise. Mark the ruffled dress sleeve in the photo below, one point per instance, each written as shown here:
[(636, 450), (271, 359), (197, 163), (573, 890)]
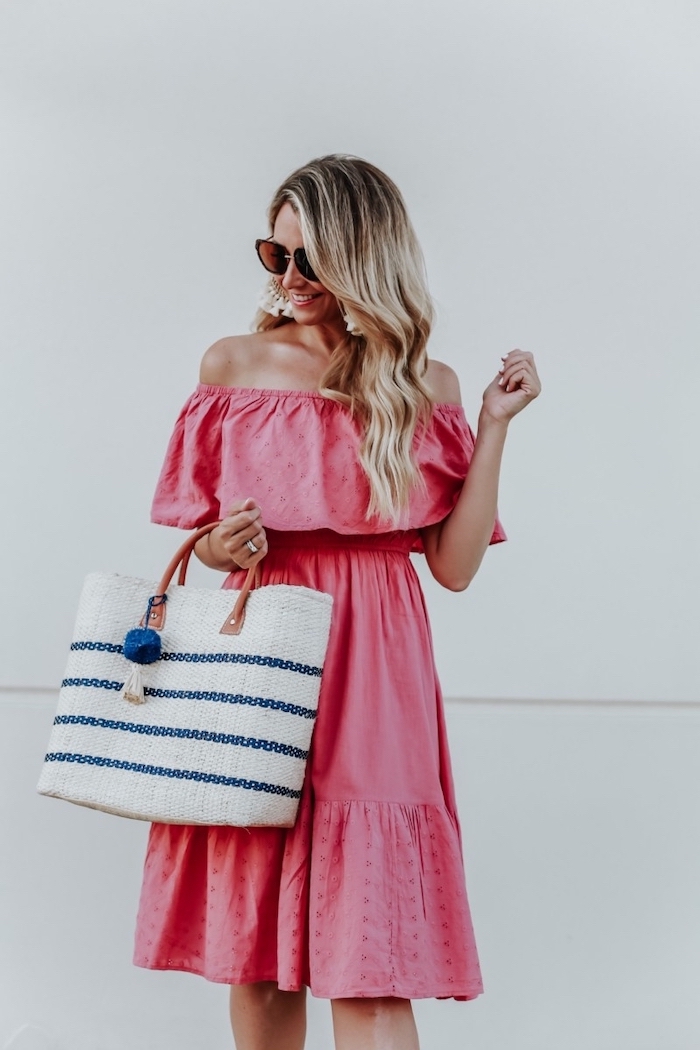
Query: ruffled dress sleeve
[(443, 455), (187, 493), (296, 454)]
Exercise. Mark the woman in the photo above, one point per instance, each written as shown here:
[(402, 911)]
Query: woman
[(331, 447)]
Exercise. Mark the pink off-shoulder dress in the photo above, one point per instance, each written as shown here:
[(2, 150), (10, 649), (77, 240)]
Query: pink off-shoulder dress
[(365, 895)]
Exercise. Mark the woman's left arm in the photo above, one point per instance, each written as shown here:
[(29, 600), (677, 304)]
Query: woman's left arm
[(455, 546)]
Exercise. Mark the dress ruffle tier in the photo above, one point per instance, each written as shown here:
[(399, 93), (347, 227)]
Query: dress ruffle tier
[(365, 896), (296, 452)]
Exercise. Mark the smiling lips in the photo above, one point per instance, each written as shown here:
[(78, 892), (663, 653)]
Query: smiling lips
[(302, 300)]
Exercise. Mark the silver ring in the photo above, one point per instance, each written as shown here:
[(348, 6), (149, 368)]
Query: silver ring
[(251, 547)]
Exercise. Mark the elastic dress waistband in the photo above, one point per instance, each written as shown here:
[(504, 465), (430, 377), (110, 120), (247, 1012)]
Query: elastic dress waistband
[(396, 542)]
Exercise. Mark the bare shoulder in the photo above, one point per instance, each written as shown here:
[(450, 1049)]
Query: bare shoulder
[(228, 361), (443, 384)]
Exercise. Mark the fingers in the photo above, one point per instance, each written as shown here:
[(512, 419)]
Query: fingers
[(243, 526), (243, 506), (518, 372)]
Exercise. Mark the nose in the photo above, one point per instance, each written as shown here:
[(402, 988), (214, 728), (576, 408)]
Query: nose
[(291, 277)]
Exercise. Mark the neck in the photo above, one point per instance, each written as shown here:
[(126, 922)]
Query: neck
[(322, 339)]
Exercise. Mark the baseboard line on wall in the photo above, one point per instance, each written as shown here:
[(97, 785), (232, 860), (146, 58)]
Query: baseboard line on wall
[(28, 690), (597, 702)]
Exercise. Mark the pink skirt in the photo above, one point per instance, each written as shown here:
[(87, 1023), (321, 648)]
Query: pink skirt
[(365, 896)]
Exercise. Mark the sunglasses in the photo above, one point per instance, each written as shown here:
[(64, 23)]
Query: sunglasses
[(275, 258)]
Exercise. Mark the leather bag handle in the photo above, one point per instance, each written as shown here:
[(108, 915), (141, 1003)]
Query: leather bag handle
[(180, 559)]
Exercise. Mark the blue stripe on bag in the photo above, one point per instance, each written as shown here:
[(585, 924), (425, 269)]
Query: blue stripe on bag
[(212, 658), (174, 774), (185, 734), (196, 694), (100, 647)]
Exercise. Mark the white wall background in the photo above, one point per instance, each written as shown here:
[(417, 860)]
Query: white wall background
[(549, 154)]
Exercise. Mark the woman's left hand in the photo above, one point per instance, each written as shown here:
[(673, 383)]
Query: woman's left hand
[(515, 386)]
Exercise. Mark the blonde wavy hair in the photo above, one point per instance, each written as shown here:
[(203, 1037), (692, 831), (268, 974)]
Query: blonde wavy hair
[(362, 245)]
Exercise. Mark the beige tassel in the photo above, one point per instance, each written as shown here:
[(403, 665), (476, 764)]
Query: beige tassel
[(133, 686)]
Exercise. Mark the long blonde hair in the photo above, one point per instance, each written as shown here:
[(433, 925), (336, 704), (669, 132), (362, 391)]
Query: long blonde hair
[(362, 245)]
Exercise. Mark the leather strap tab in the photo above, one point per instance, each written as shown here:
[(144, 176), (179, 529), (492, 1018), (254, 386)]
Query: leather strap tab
[(233, 624), (156, 618)]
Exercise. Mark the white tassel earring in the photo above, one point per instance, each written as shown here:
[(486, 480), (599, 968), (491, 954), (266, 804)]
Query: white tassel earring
[(274, 301), (350, 326)]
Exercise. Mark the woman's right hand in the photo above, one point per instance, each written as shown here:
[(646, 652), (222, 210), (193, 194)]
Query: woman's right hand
[(228, 541)]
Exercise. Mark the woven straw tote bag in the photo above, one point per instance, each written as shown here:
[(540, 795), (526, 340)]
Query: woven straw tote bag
[(188, 705)]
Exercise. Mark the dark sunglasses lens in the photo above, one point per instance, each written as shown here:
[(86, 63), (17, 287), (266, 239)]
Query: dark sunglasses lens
[(303, 265), (272, 256)]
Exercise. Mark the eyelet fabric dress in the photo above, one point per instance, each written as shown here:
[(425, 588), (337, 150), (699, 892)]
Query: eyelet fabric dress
[(365, 895)]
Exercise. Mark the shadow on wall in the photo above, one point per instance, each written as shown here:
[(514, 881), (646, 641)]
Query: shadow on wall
[(29, 1037)]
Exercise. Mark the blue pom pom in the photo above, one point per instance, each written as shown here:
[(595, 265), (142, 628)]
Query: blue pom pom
[(142, 645)]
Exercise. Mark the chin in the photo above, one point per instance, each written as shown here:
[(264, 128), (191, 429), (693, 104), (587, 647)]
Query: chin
[(308, 319)]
